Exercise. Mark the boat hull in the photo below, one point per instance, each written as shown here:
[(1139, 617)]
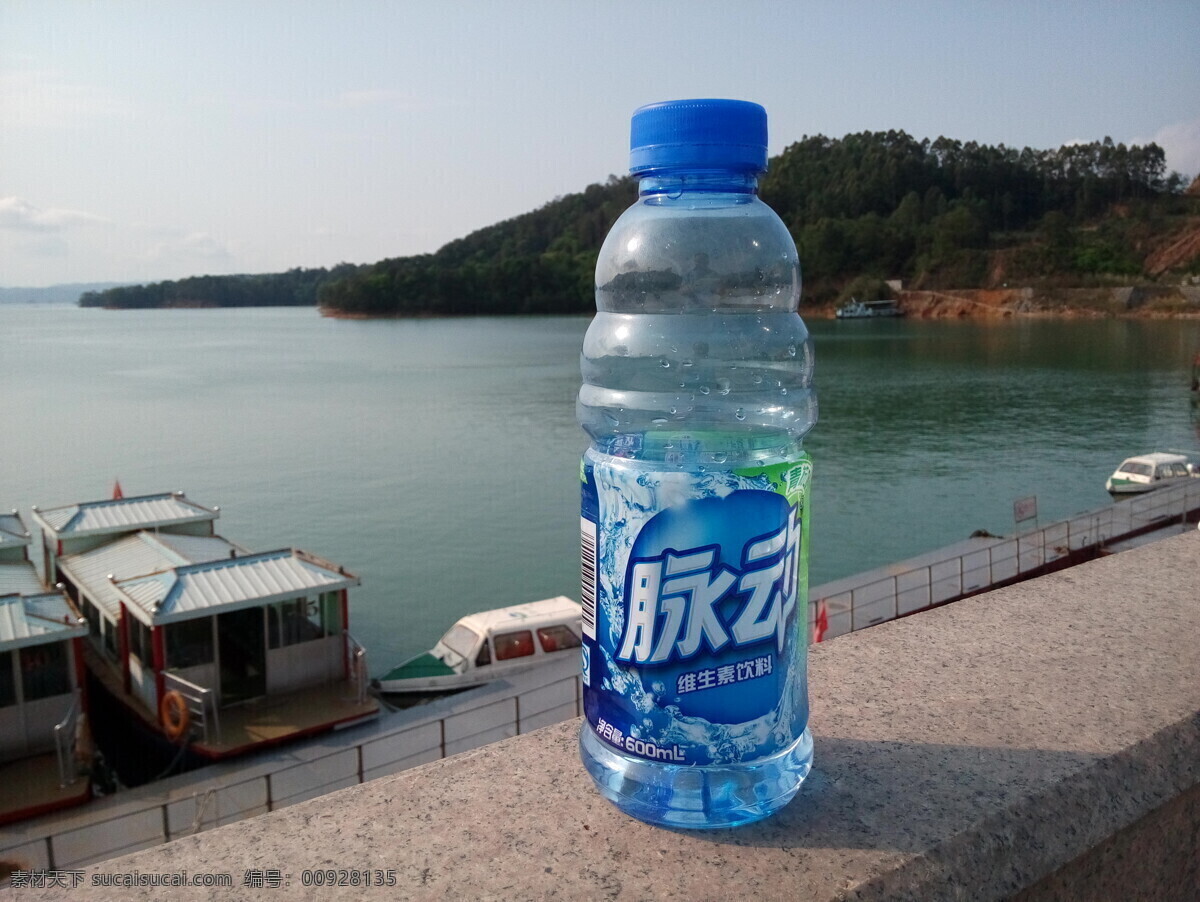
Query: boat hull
[(426, 685), (1138, 488)]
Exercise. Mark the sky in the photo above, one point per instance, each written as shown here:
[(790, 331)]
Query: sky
[(143, 140)]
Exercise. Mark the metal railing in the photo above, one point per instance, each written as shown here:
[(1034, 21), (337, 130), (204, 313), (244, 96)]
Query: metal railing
[(290, 783), (356, 656), (957, 575), (201, 702), (65, 740)]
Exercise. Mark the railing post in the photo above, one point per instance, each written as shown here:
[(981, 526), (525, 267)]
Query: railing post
[(64, 742), (216, 716)]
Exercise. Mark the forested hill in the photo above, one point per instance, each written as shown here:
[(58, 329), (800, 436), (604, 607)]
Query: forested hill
[(864, 208), (294, 288), (867, 207)]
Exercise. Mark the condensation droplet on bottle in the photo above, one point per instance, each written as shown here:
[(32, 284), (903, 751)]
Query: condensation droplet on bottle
[(791, 350), (723, 386), (740, 414), (704, 389), (757, 379), (720, 457), (685, 363), (660, 421), (664, 363)]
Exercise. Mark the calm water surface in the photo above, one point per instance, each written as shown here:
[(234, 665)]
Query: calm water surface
[(438, 459)]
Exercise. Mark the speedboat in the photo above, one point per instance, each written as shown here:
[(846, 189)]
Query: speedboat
[(856, 309), (1150, 471), (489, 645)]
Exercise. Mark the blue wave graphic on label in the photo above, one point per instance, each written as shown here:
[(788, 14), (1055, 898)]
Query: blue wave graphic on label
[(696, 656)]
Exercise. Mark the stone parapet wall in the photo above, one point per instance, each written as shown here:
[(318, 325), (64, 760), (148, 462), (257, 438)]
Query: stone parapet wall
[(1038, 742)]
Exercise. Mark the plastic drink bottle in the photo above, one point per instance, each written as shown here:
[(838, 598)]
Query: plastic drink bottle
[(696, 395)]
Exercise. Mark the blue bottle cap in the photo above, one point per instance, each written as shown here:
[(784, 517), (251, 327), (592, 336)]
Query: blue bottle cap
[(699, 134)]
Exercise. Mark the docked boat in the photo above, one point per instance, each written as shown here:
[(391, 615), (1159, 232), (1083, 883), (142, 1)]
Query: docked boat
[(856, 309), (41, 704), (489, 645), (1150, 471), (201, 646)]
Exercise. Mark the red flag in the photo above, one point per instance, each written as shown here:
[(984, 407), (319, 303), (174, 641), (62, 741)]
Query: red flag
[(822, 624), (117, 493)]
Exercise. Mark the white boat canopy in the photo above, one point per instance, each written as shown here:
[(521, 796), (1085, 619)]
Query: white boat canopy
[(122, 515), (27, 620), (13, 533), (139, 555), (530, 614), (197, 590), (19, 578)]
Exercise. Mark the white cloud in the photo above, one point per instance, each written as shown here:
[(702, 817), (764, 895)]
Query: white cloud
[(20, 215), (45, 98), (191, 247), (1181, 143), (41, 246)]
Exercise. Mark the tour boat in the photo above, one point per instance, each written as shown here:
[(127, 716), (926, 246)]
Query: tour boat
[(1149, 471), (41, 704), (207, 648), (491, 644)]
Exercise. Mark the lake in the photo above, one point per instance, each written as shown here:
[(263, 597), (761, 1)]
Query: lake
[(438, 459)]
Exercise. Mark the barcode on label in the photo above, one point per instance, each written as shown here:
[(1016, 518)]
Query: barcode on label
[(587, 557)]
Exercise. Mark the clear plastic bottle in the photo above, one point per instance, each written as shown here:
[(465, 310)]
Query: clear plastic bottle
[(697, 395)]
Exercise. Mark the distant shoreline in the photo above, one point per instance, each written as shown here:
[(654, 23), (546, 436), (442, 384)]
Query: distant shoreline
[(1123, 302)]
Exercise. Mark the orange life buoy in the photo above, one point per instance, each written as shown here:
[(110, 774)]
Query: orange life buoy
[(176, 717)]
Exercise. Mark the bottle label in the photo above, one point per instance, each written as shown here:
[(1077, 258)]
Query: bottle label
[(694, 592)]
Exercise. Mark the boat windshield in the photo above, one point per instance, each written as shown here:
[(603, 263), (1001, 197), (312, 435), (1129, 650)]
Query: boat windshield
[(1136, 469), (461, 640)]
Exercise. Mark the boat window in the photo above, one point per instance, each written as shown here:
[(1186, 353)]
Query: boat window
[(8, 686), (331, 613), (44, 671), (513, 645), (1136, 469), (1179, 469), (295, 621), (557, 638), (461, 640), (190, 643), (92, 613), (109, 634), (484, 657), (139, 641)]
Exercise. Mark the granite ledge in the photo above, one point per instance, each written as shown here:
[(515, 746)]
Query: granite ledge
[(984, 750)]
